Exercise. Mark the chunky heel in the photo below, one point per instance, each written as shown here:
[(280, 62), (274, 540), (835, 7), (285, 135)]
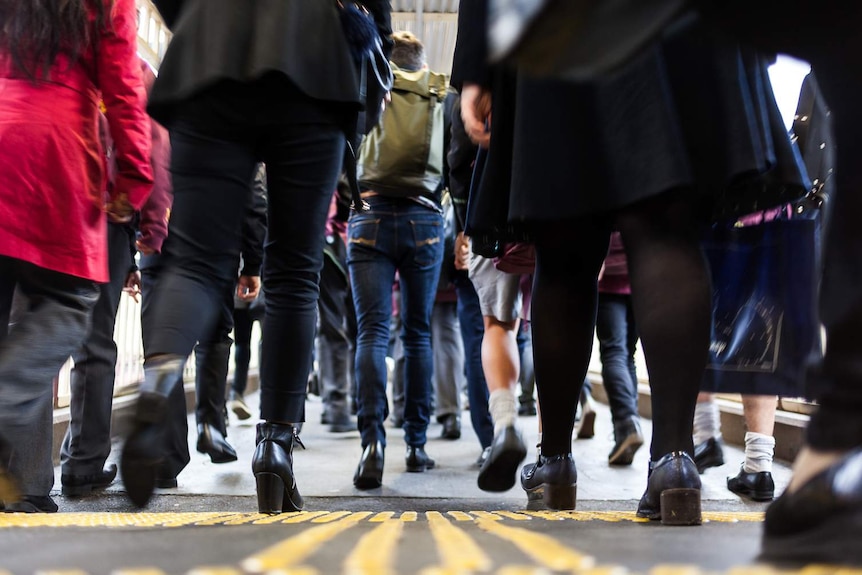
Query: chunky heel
[(270, 493), (561, 497), (681, 507)]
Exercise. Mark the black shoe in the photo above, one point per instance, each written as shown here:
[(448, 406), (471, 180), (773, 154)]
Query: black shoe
[(31, 504), (551, 480), (673, 491), (417, 460), (451, 426), (272, 466), (396, 422), (166, 482), (527, 409), (585, 427), (708, 454), (628, 438), (821, 522), (369, 472), (78, 485), (341, 422), (143, 452), (499, 471), (213, 443), (758, 486)]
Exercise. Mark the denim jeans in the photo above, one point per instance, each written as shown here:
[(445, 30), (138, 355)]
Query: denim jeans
[(394, 235), (472, 332), (617, 335)]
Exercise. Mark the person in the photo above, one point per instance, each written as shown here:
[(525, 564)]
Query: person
[(260, 101), (642, 162), (57, 62), (400, 232), (87, 443)]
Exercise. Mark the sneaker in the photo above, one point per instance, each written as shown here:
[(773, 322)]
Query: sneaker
[(238, 406), (628, 438)]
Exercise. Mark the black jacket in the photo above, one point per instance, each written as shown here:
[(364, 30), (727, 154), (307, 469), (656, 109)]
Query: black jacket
[(242, 40)]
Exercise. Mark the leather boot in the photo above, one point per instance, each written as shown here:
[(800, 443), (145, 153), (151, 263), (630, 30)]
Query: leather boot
[(673, 491), (212, 442), (272, 466), (369, 472)]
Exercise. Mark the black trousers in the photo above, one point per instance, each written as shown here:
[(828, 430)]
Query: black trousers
[(217, 141)]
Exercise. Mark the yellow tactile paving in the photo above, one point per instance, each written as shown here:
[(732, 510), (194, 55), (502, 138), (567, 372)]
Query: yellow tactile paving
[(458, 551), (382, 516), (375, 553), (409, 516), (60, 572), (542, 549), (294, 550), (215, 571), (138, 571), (460, 516), (676, 570)]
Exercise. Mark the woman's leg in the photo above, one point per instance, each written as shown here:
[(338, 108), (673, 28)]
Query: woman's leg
[(673, 304)]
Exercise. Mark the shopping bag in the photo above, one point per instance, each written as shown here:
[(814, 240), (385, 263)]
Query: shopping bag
[(766, 327)]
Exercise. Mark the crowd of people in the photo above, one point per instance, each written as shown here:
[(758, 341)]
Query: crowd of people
[(268, 105)]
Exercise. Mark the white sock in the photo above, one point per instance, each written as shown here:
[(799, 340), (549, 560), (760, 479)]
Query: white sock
[(759, 451), (707, 421), (504, 409)]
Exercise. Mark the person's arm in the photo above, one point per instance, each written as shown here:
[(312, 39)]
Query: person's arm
[(170, 10), (119, 79), (470, 62), (461, 156), (254, 226)]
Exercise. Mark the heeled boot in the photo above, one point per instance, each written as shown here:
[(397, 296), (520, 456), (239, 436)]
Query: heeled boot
[(553, 481), (143, 451), (212, 442), (673, 491), (272, 466)]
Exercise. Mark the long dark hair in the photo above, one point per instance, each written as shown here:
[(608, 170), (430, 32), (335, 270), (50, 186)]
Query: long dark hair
[(35, 32)]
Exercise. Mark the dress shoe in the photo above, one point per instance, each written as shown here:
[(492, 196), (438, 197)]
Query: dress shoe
[(758, 486), (369, 472), (31, 504), (213, 443), (451, 426), (673, 491), (272, 465), (527, 409), (417, 460), (238, 406), (551, 480), (499, 471), (143, 452), (166, 482), (821, 522), (628, 438), (585, 426), (708, 454), (341, 422), (78, 485)]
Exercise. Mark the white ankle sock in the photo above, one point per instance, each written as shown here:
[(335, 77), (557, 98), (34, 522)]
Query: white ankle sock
[(504, 409), (759, 451), (707, 421)]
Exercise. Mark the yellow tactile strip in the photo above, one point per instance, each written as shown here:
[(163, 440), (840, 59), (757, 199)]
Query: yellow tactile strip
[(8, 520)]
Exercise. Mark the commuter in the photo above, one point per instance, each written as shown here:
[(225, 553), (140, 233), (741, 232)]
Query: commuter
[(260, 101), (56, 64), (632, 159), (400, 232), (87, 442)]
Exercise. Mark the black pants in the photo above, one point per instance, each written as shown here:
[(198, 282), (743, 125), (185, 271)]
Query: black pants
[(217, 141)]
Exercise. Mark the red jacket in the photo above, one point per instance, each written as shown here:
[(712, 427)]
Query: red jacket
[(52, 166)]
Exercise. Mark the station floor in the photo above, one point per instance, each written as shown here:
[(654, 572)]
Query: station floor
[(437, 522)]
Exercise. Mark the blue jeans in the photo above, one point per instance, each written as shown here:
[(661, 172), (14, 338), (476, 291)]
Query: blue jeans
[(617, 335), (472, 332), (394, 235)]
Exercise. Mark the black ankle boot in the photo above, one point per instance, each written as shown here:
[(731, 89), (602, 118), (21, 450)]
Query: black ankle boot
[(369, 472), (213, 443), (143, 452), (551, 480), (272, 466), (673, 491)]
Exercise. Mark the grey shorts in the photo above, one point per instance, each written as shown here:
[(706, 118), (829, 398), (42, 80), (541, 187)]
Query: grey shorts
[(499, 293)]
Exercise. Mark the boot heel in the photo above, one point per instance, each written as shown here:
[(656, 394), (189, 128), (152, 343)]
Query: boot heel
[(680, 507), (270, 493), (560, 497)]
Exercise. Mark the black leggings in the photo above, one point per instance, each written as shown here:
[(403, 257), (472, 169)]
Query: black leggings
[(672, 302)]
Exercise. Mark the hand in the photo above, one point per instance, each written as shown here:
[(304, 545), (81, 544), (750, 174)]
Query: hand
[(476, 113), (119, 210), (248, 288), (144, 248), (387, 99), (132, 286), (462, 252)]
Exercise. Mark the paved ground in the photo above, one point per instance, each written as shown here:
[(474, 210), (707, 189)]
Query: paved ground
[(429, 523)]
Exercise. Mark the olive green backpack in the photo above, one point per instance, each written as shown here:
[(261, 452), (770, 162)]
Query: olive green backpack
[(403, 154)]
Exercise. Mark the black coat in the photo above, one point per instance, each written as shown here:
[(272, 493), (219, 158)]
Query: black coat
[(242, 40)]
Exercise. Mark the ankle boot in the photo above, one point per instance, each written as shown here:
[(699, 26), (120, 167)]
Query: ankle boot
[(143, 452), (673, 491), (272, 466), (553, 481), (212, 442)]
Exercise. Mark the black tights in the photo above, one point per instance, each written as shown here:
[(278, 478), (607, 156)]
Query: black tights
[(672, 303)]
